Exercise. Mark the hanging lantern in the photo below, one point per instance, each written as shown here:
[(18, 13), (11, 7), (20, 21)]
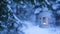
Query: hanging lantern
[(43, 21)]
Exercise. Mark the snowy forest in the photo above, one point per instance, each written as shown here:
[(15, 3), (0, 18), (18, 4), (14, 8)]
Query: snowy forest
[(29, 16)]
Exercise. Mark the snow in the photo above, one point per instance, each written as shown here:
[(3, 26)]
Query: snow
[(55, 6), (37, 10), (58, 12), (58, 0), (31, 29), (37, 30), (21, 2), (47, 2)]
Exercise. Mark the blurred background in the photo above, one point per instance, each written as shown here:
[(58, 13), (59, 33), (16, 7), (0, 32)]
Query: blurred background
[(29, 16)]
